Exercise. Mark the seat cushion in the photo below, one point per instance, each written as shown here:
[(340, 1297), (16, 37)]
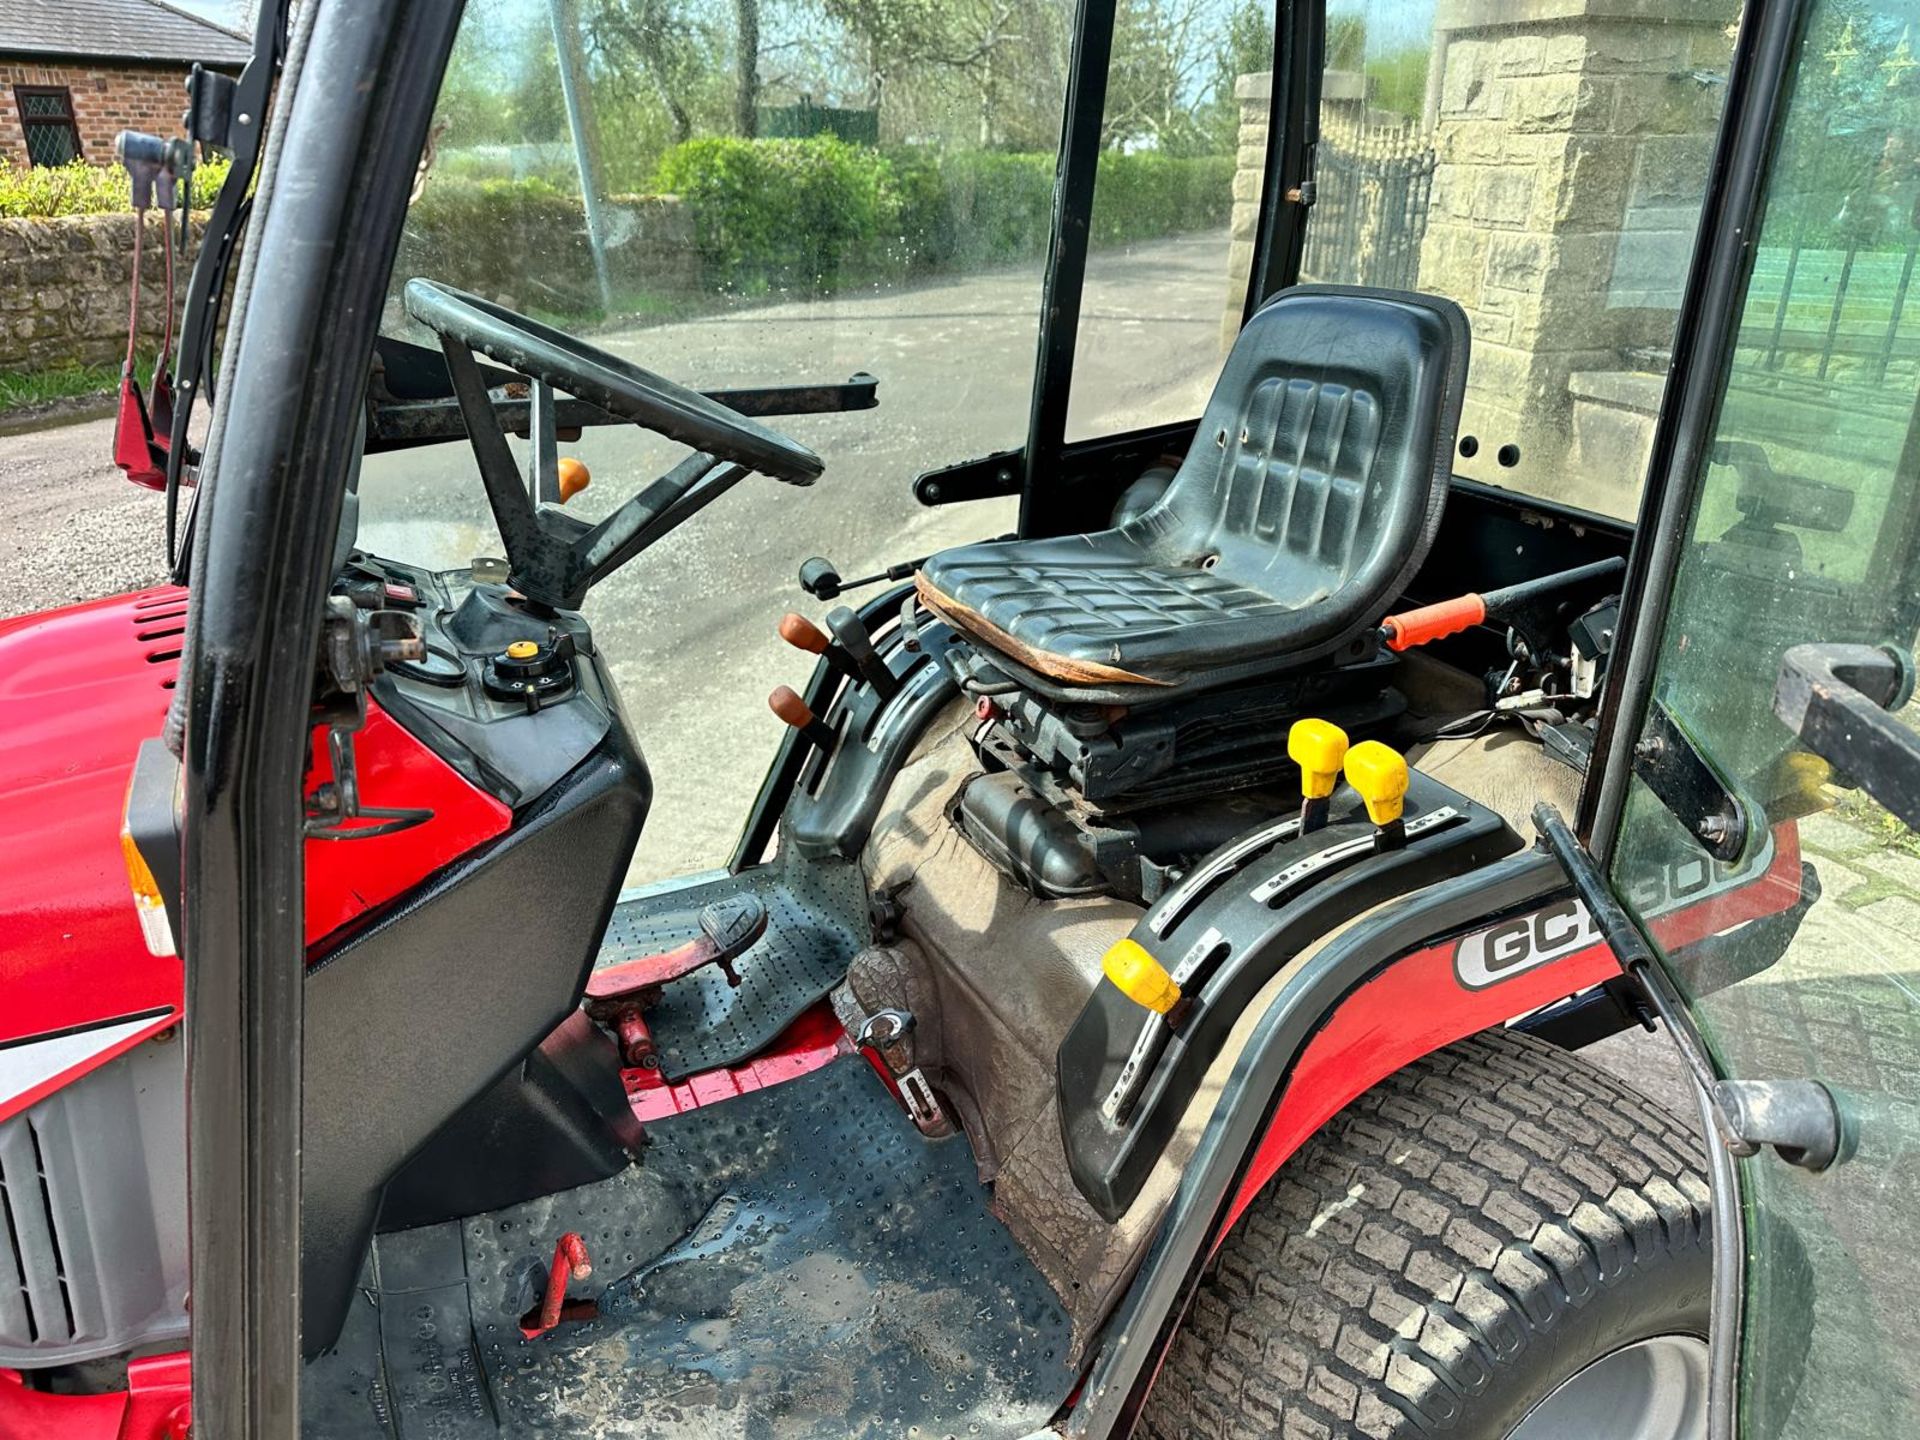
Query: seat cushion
[(1307, 500), (1081, 617)]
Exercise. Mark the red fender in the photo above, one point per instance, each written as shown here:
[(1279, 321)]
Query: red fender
[(1422, 1002)]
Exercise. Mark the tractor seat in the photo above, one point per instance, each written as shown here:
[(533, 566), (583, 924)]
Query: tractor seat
[(1309, 498)]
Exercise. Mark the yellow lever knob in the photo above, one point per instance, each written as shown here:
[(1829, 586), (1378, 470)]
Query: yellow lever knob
[(1317, 747), (1140, 977), (1379, 773)]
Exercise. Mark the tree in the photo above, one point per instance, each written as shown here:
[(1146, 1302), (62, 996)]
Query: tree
[(659, 38), (1245, 47), (999, 59), (1163, 51), (746, 67)]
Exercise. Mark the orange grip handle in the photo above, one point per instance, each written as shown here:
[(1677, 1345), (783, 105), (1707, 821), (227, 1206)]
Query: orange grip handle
[(1431, 622)]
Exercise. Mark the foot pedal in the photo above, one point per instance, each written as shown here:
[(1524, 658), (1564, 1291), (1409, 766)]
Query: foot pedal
[(619, 996)]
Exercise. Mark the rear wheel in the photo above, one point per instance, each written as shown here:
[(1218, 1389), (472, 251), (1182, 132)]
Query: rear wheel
[(1500, 1242)]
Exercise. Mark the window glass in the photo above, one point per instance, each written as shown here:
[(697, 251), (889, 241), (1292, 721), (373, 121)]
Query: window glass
[(46, 119), (1804, 532), (852, 188), (1544, 166), (1183, 153)]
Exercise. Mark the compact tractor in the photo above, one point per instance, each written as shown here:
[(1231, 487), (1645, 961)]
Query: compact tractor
[(1147, 996)]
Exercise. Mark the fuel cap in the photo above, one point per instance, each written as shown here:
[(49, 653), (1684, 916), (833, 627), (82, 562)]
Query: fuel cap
[(529, 670)]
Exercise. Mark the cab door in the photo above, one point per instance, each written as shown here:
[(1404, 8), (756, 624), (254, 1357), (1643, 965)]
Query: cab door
[(1774, 744)]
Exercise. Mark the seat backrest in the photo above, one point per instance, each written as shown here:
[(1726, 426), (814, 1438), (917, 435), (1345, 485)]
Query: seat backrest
[(1321, 465)]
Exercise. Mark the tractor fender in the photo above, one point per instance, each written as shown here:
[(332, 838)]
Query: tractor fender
[(1460, 957)]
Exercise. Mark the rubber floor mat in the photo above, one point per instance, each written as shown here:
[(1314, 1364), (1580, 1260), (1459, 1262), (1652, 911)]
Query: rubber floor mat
[(816, 923), (795, 1264)]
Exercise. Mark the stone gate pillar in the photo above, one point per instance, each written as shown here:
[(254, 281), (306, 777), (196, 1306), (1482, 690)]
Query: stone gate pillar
[(1255, 94), (1572, 139)]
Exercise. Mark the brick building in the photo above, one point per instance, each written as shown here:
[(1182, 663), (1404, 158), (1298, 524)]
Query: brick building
[(74, 73)]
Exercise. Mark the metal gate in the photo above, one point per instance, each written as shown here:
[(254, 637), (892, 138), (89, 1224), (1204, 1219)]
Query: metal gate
[(1372, 189)]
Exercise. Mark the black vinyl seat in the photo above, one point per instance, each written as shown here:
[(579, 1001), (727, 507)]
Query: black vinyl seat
[(1311, 494)]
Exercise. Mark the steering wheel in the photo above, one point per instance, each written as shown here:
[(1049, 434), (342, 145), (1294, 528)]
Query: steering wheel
[(554, 557)]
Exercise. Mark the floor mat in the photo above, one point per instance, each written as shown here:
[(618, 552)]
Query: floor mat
[(816, 923), (796, 1263)]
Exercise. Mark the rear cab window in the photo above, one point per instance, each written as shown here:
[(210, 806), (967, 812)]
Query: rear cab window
[(1543, 164)]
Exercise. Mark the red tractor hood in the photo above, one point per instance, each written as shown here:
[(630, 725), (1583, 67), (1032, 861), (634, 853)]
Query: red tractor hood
[(80, 688)]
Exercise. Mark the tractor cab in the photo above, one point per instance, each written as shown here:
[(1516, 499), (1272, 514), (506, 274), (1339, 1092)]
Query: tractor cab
[(1322, 572)]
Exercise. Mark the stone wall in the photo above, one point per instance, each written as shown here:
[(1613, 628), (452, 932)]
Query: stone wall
[(1572, 139), (107, 98), (63, 282), (63, 290)]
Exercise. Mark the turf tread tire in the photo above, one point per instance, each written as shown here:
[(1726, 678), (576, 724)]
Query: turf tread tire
[(1451, 1236)]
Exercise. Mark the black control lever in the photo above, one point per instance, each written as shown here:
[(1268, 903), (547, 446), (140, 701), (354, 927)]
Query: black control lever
[(820, 580), (858, 646)]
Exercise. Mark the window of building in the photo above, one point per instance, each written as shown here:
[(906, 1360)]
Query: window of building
[(46, 115)]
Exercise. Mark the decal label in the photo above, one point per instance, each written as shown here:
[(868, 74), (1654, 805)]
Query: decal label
[(1566, 927), (1516, 946)]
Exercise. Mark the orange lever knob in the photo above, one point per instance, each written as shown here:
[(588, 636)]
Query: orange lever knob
[(573, 477), (1432, 622), (785, 703), (803, 634), (797, 713)]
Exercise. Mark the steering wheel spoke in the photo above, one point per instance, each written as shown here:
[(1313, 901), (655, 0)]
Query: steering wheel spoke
[(507, 497), (553, 557)]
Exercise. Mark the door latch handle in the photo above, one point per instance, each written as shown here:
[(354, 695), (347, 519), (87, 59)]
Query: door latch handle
[(1801, 1119), (1838, 699)]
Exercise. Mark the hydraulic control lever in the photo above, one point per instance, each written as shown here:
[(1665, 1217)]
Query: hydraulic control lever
[(1318, 747), (1378, 774), (820, 580), (858, 645), (787, 704), (853, 656), (803, 634), (1511, 604)]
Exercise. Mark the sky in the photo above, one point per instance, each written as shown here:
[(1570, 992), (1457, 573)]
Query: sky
[(231, 13)]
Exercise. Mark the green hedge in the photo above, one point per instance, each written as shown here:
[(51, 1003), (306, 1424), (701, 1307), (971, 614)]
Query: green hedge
[(83, 189), (820, 213), (782, 212)]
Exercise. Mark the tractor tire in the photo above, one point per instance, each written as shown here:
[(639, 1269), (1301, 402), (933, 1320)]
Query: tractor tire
[(1446, 1253)]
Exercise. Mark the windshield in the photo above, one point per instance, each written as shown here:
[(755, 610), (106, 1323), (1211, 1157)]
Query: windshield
[(749, 193)]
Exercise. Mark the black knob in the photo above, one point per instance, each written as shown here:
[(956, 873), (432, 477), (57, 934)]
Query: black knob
[(819, 579)]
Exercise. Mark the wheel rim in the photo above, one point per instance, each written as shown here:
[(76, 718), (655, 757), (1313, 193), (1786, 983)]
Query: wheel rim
[(1651, 1390)]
